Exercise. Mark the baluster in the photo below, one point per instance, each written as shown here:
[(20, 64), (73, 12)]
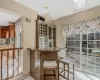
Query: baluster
[(13, 63), (7, 64), (18, 61), (1, 65)]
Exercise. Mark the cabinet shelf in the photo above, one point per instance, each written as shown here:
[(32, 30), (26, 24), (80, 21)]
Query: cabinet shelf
[(46, 35)]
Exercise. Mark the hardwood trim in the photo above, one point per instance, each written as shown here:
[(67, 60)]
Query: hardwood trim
[(10, 49), (37, 36)]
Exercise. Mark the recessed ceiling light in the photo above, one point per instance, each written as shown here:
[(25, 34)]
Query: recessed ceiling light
[(45, 7)]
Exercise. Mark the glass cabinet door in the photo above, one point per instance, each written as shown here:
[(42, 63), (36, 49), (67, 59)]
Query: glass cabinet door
[(46, 35)]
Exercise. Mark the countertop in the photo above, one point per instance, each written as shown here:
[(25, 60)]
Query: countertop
[(46, 49)]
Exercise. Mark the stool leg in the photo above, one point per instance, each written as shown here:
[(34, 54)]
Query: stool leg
[(58, 71), (55, 75), (64, 70), (44, 75)]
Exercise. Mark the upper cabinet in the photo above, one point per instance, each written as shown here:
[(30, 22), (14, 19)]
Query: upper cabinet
[(11, 31), (7, 31), (40, 18), (0, 32), (3, 33)]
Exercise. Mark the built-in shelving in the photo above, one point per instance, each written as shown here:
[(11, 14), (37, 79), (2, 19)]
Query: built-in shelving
[(46, 35)]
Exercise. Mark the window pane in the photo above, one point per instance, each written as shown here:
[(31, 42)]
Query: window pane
[(84, 44), (97, 36), (77, 44), (90, 44), (84, 37), (91, 36)]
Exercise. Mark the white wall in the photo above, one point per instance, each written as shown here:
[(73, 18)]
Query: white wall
[(47, 18), (29, 41), (59, 36)]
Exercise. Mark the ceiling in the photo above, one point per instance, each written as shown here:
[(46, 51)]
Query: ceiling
[(56, 8), (6, 18)]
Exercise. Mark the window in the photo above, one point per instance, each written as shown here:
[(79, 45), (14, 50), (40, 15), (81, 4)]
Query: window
[(83, 46), (79, 4)]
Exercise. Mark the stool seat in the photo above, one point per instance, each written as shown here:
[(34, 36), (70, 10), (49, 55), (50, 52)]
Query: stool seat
[(49, 64), (67, 61)]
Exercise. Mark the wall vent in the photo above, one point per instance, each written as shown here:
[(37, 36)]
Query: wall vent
[(28, 20)]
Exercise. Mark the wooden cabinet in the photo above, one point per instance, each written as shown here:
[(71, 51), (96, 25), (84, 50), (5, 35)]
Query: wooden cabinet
[(11, 31), (7, 31), (3, 33), (0, 32), (40, 18)]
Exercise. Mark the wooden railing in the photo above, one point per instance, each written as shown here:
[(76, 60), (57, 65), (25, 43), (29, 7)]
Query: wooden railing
[(10, 63)]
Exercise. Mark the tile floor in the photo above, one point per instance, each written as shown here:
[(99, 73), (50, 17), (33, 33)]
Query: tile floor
[(85, 76), (78, 76), (29, 78)]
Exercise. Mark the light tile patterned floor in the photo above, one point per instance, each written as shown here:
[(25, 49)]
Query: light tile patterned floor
[(29, 78), (78, 76)]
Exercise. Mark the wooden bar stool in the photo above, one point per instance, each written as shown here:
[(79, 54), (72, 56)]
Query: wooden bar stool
[(50, 66), (67, 71)]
